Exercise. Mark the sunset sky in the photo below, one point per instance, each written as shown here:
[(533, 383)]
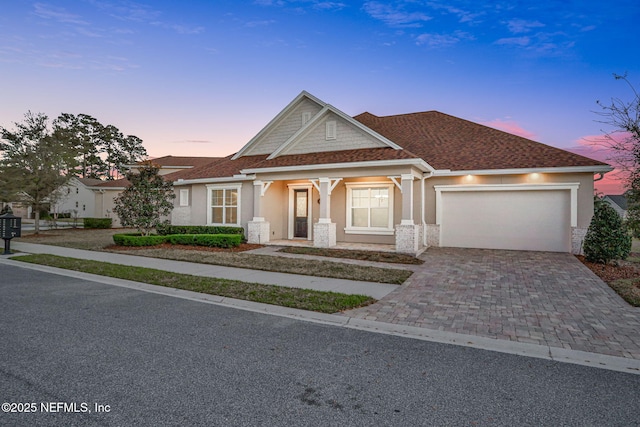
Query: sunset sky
[(200, 78)]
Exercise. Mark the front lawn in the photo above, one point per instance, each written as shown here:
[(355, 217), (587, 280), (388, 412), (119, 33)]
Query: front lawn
[(304, 299)]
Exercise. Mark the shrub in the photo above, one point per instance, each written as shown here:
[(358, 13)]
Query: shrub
[(136, 239), (166, 229), (210, 240), (607, 238), (97, 222)]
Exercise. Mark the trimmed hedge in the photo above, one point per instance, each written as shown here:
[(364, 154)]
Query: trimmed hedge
[(210, 240), (166, 229), (96, 222), (135, 239)]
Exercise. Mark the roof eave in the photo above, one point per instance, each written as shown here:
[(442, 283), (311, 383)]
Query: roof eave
[(517, 171), (424, 166)]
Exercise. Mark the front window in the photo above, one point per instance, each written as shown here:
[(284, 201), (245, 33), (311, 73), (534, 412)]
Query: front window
[(369, 208), (224, 205)]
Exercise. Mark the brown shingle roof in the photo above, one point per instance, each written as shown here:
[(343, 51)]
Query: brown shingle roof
[(116, 183), (220, 168), (183, 161), (447, 142), (443, 141)]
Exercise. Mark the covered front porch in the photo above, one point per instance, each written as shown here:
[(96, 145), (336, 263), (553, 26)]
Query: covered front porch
[(378, 213)]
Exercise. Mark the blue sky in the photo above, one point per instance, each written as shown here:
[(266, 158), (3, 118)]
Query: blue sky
[(203, 77)]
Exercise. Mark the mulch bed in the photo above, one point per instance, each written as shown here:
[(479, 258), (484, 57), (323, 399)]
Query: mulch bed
[(610, 272), (242, 248)]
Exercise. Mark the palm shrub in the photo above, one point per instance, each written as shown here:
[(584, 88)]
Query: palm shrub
[(607, 238)]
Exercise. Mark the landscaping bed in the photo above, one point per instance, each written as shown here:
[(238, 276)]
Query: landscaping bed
[(623, 277)]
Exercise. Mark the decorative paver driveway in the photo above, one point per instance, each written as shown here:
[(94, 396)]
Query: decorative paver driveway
[(533, 297)]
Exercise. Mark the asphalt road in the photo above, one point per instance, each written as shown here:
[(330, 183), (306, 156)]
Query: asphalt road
[(67, 345)]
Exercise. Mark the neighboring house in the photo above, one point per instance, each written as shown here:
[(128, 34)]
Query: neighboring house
[(170, 164), (617, 202), (411, 180), (76, 198), (22, 206)]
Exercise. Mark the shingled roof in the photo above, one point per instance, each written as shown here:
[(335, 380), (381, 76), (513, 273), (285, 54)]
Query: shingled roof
[(183, 161), (443, 141), (447, 142)]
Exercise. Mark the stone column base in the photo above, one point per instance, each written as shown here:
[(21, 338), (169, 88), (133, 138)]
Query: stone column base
[(324, 234), (577, 240), (408, 238), (258, 232), (433, 235)]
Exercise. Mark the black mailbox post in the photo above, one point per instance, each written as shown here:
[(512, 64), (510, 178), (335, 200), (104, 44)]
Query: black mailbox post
[(10, 227)]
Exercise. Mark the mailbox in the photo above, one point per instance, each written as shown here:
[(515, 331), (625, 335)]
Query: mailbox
[(10, 227)]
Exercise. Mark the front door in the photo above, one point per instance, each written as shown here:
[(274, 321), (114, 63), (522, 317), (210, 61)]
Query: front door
[(300, 213)]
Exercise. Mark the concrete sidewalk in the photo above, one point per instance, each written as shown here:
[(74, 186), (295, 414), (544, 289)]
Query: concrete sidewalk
[(375, 290)]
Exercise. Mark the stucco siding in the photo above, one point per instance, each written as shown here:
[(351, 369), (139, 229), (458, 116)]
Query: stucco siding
[(585, 190)]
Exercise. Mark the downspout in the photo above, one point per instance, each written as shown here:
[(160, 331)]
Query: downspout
[(423, 206), (601, 176)]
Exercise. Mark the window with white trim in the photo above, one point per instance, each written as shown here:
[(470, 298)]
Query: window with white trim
[(369, 208), (184, 197), (224, 204)]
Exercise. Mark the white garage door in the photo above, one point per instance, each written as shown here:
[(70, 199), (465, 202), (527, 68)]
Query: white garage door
[(524, 220)]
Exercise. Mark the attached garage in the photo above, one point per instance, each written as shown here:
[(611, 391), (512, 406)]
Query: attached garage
[(520, 217)]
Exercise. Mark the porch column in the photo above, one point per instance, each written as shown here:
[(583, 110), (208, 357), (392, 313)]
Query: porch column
[(324, 231), (408, 234), (407, 199), (258, 229)]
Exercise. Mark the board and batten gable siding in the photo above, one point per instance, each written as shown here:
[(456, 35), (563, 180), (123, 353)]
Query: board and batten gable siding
[(284, 130), (348, 137)]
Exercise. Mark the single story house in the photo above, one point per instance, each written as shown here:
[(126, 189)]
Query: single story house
[(618, 202), (409, 180)]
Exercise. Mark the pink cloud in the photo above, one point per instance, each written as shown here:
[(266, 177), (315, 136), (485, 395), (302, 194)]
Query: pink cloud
[(511, 127), (598, 147)]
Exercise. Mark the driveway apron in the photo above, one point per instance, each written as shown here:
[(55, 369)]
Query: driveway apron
[(532, 297)]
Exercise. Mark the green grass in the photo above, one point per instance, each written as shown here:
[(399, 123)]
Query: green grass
[(307, 267), (305, 299), (628, 289), (389, 257)]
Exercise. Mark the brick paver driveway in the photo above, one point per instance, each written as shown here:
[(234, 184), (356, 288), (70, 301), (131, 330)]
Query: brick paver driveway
[(532, 297)]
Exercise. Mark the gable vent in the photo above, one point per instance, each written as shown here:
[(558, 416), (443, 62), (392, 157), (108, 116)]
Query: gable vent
[(331, 130), (306, 116)]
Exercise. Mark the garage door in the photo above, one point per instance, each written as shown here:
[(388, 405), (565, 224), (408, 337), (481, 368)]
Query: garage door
[(523, 220)]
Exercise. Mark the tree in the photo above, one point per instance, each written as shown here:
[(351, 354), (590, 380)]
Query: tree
[(624, 140), (103, 151), (607, 238), (146, 201), (34, 161)]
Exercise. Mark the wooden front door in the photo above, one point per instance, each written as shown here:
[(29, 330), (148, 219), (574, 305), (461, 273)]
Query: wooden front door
[(300, 213)]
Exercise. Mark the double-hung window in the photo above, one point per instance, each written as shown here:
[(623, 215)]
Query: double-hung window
[(223, 204), (369, 208)]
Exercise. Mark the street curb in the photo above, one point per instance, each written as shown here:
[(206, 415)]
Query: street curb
[(556, 354)]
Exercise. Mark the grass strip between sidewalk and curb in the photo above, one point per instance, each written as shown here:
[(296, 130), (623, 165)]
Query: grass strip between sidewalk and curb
[(389, 257), (304, 299)]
